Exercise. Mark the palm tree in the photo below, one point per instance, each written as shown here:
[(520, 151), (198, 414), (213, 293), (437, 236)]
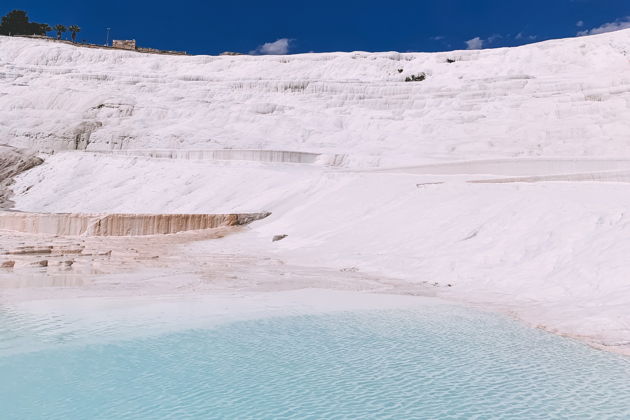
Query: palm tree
[(60, 30), (45, 28), (74, 29)]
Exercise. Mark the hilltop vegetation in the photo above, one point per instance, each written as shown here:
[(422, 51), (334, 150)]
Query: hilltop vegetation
[(17, 22)]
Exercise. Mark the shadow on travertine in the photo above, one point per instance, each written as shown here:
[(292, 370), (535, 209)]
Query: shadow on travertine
[(74, 224)]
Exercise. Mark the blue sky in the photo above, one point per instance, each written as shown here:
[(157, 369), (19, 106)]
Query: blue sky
[(211, 27)]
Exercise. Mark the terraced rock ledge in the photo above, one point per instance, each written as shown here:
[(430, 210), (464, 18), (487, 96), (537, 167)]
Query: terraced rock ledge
[(77, 224), (252, 155)]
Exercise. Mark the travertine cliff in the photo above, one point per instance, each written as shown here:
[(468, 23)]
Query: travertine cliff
[(72, 224)]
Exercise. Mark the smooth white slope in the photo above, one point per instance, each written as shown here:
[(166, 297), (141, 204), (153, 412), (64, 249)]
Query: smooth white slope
[(557, 98), (553, 253)]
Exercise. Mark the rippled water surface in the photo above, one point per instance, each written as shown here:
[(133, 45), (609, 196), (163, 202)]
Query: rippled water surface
[(435, 363)]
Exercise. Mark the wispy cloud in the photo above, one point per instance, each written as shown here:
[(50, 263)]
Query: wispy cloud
[(617, 25), (494, 38), (521, 36), (475, 43), (479, 43), (579, 23), (278, 47), (437, 38)]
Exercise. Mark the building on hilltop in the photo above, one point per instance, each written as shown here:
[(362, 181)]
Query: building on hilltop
[(130, 44), (125, 44)]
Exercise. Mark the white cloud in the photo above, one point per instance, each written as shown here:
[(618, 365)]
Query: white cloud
[(475, 43), (437, 38), (479, 43), (579, 23), (608, 27), (519, 36), (278, 47)]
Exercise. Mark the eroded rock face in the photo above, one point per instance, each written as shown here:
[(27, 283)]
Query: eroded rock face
[(12, 162), (73, 224)]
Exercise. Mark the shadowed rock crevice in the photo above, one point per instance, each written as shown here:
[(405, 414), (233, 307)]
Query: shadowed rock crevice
[(82, 133), (12, 162)]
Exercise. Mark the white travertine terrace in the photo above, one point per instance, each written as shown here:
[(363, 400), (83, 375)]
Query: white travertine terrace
[(608, 176), (206, 135), (561, 98), (73, 224), (515, 167), (272, 156)]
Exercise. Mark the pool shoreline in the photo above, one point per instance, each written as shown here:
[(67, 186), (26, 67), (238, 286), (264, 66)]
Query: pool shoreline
[(316, 300)]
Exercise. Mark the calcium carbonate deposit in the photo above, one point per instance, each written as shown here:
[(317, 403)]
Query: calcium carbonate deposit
[(501, 179)]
